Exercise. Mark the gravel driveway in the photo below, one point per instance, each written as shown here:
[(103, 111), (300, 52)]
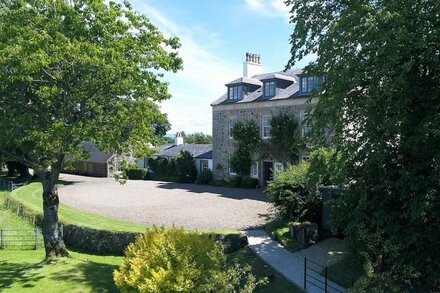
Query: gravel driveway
[(164, 203)]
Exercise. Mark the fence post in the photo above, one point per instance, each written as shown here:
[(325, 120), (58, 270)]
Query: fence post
[(305, 273), (325, 285), (36, 238), (2, 241)]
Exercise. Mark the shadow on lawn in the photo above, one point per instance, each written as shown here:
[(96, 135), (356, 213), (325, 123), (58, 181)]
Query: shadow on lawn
[(27, 274), (96, 276)]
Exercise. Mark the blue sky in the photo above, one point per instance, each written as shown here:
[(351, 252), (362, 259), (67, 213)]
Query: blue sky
[(215, 36)]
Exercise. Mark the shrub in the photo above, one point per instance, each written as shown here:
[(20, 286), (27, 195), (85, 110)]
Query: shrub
[(289, 194), (205, 177), (174, 260), (135, 173), (248, 182), (186, 170)]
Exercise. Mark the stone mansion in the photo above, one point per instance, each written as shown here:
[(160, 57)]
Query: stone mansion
[(258, 96)]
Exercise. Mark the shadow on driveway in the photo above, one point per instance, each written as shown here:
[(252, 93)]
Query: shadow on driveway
[(229, 192)]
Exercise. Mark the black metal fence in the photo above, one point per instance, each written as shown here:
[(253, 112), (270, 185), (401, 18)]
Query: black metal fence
[(21, 239), (316, 278), (9, 185)]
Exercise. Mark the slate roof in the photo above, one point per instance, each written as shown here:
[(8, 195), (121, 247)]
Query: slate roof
[(198, 151), (96, 156), (291, 92)]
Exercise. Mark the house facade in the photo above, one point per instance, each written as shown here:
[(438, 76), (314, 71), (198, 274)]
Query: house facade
[(258, 96)]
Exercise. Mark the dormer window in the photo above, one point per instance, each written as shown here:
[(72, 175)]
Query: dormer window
[(310, 83), (269, 89), (235, 92)]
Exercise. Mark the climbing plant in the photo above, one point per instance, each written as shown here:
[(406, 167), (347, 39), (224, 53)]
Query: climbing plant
[(284, 138), (249, 144)]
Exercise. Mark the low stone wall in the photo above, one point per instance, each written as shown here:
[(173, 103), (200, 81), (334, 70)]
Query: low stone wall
[(97, 241), (107, 242)]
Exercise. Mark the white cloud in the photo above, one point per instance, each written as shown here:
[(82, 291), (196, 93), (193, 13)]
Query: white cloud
[(270, 8), (202, 79)]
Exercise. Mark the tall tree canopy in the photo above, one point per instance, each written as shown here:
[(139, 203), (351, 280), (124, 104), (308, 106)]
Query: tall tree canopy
[(198, 138), (78, 70), (382, 103)]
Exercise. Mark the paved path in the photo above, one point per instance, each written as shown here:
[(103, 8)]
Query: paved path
[(291, 265), (163, 203)]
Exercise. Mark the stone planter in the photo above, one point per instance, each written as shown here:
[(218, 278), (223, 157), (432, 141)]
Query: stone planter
[(305, 233)]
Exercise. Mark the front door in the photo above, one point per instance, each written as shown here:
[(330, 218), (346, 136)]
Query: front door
[(267, 172)]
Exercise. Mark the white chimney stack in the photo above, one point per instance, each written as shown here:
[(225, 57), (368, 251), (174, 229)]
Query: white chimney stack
[(252, 66), (179, 138)]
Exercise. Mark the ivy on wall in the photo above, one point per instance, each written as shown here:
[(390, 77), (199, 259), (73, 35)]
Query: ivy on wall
[(283, 144), (284, 138)]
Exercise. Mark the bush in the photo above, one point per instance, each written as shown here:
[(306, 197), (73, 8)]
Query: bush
[(135, 173), (186, 171), (248, 182), (174, 260), (289, 194), (205, 177)]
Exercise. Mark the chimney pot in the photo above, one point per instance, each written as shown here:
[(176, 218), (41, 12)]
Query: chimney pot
[(252, 65)]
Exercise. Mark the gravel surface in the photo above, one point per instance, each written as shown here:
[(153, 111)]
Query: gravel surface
[(164, 203)]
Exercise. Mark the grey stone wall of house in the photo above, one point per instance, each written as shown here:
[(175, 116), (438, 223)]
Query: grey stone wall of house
[(223, 146)]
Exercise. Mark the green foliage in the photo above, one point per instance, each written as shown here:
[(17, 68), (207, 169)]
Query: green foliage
[(289, 195), (205, 177), (198, 138), (284, 138), (186, 170), (381, 102), (326, 168), (162, 169), (86, 83), (74, 71), (248, 145), (134, 172), (174, 260), (248, 182)]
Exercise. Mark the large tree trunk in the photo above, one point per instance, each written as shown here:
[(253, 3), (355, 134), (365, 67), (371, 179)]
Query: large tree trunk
[(53, 242)]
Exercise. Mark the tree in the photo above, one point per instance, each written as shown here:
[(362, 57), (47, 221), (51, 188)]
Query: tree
[(198, 138), (78, 70), (185, 169), (284, 138), (381, 101)]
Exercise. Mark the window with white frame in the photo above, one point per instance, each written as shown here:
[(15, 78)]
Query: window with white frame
[(278, 167), (265, 126), (235, 92), (204, 165), (231, 171), (305, 128), (232, 122), (254, 170), (269, 88)]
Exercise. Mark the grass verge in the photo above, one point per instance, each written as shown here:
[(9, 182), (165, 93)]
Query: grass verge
[(280, 229)]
